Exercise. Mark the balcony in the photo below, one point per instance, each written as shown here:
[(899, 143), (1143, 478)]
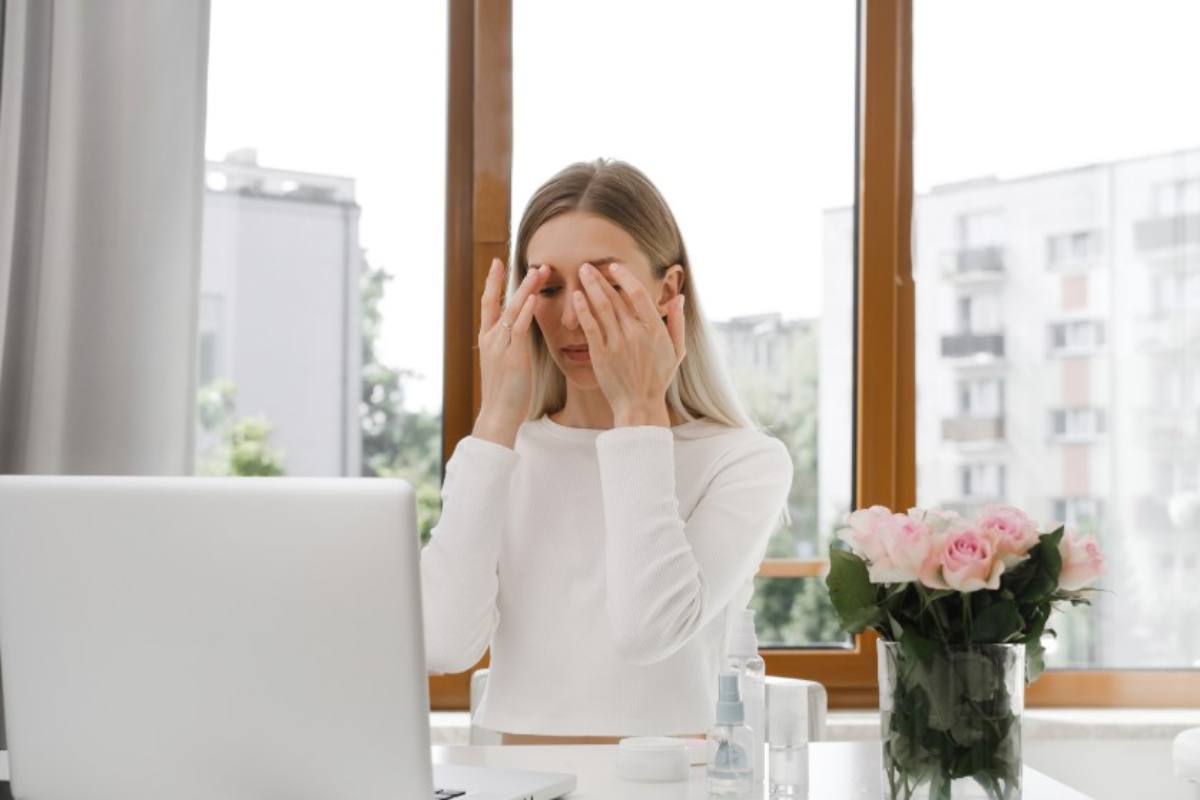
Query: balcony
[(968, 345), (972, 429), (1160, 233), (971, 263)]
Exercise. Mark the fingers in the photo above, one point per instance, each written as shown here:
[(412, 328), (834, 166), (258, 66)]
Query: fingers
[(591, 328), (638, 299), (675, 326), (489, 304), (520, 328), (604, 301), (534, 278)]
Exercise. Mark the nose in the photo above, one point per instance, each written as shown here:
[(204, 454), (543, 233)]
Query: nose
[(570, 320)]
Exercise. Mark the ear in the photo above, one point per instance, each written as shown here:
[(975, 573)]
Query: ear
[(672, 284)]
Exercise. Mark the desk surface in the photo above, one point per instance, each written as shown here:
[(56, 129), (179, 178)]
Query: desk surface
[(837, 771)]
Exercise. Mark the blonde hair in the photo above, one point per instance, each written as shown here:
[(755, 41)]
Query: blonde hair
[(621, 194)]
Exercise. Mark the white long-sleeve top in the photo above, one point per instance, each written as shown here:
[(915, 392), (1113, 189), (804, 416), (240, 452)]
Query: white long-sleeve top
[(599, 566)]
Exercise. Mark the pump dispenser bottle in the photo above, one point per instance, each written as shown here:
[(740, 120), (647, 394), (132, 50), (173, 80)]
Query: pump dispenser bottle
[(743, 660), (730, 764)]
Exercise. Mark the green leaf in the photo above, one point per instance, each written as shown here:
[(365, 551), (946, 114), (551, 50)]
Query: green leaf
[(853, 595), (996, 624), (1035, 661)]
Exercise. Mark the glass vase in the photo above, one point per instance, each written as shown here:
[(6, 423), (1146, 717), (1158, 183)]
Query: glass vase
[(951, 721)]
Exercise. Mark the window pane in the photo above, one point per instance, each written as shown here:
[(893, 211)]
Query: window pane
[(745, 121), (1061, 189), (321, 313), (795, 612)]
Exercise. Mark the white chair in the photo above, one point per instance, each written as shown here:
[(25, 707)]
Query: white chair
[(818, 703), (1186, 754)]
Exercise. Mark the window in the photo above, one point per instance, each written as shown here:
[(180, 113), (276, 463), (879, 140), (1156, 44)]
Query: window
[(1077, 424), (320, 325), (1075, 248), (981, 397), (1084, 514), (980, 229), (983, 482), (1076, 337), (774, 275), (1176, 198), (1098, 167)]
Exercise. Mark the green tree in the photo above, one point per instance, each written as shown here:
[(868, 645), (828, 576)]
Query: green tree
[(396, 442), (792, 610), (242, 445)]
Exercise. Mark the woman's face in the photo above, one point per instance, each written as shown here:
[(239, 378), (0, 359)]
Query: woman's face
[(566, 243)]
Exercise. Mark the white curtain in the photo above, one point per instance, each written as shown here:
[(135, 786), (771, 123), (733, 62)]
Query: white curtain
[(101, 189)]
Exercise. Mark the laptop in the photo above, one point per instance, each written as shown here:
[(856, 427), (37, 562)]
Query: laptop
[(220, 638)]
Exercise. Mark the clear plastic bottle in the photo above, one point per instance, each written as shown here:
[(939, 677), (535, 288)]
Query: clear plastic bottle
[(787, 741), (744, 660), (730, 764)]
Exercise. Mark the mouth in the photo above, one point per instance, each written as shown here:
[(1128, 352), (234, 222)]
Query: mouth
[(577, 353)]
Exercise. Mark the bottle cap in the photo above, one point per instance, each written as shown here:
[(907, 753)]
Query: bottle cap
[(743, 640), (787, 714), (729, 703)]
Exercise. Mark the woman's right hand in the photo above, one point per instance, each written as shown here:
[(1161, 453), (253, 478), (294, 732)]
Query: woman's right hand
[(505, 367)]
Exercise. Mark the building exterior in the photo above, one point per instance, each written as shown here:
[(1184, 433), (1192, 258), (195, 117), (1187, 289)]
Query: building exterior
[(1058, 369), (279, 308)]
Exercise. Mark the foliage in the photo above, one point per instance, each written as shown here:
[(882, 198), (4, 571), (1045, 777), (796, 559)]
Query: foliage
[(242, 445), (951, 713), (396, 443), (792, 610), (918, 616)]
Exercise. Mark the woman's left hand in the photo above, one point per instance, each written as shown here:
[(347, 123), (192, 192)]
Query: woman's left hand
[(634, 355)]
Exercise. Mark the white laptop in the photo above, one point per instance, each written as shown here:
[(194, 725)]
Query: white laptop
[(220, 638)]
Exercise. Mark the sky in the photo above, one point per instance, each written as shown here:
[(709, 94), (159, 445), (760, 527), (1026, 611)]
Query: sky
[(741, 113)]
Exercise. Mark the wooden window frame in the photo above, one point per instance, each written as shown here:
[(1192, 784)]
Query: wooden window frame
[(478, 221)]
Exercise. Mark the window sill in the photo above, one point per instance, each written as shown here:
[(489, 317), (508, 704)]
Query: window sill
[(1038, 724)]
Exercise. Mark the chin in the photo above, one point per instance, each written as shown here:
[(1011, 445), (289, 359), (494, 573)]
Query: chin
[(581, 376)]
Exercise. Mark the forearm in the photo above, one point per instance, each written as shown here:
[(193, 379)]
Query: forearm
[(458, 565)]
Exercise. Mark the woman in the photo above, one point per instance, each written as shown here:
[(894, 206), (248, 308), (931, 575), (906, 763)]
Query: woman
[(612, 503)]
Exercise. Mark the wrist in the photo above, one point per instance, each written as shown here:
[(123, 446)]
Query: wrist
[(629, 416), (497, 428)]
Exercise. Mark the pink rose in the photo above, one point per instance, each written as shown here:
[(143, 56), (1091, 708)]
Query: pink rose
[(863, 535), (967, 562), (1082, 561), (938, 521), (1012, 532), (909, 550)]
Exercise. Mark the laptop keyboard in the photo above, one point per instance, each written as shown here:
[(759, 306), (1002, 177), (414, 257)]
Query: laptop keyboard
[(447, 794)]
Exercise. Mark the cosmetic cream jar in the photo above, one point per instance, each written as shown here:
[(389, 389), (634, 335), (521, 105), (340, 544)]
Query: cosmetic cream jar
[(654, 759)]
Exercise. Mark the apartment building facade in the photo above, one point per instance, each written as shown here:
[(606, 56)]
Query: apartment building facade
[(1058, 369)]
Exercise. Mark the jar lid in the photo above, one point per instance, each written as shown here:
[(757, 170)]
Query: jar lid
[(652, 759)]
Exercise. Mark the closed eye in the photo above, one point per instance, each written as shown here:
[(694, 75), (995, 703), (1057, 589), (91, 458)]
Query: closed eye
[(549, 291)]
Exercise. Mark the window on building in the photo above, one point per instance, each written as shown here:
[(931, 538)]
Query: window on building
[(981, 397), (1078, 423), (1177, 197), (1083, 514), (1076, 247), (1079, 336)]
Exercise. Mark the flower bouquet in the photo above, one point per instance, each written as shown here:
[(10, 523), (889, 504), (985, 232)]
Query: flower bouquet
[(961, 606)]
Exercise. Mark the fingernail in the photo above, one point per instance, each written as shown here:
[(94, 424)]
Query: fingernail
[(613, 268), (578, 296), (586, 269)]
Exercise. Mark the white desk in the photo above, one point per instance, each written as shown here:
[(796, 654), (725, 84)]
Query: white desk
[(837, 771)]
